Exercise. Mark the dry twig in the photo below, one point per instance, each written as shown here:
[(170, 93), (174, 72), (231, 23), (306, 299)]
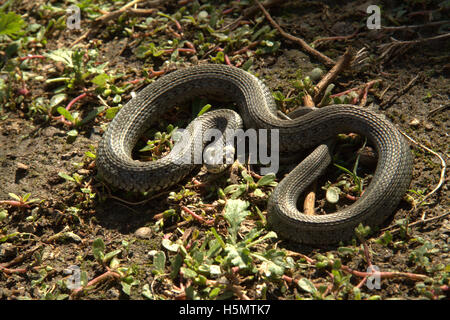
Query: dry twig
[(402, 91), (344, 62), (396, 48), (305, 46), (98, 22)]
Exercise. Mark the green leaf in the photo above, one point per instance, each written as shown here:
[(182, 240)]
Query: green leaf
[(267, 180), (8, 236), (204, 109), (3, 215), (219, 241), (332, 194), (188, 273), (385, 239), (214, 270), (235, 189), (98, 249), (72, 133), (57, 99), (278, 95), (114, 263), (91, 115), (111, 255), (239, 257), (117, 98), (159, 262), (247, 64), (307, 286), (66, 114), (268, 235), (66, 176), (111, 112), (235, 212), (326, 96), (25, 197), (61, 55), (219, 58), (347, 250), (247, 177), (362, 231), (11, 24), (258, 193), (101, 80), (126, 287), (214, 292), (169, 245), (146, 292), (176, 265), (14, 196), (273, 265), (344, 169), (90, 155)]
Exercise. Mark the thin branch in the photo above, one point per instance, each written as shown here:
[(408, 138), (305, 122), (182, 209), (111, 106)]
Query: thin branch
[(400, 92), (98, 22), (103, 277), (197, 217), (343, 63), (21, 257), (386, 274), (415, 26), (397, 48), (305, 46), (248, 13), (443, 169)]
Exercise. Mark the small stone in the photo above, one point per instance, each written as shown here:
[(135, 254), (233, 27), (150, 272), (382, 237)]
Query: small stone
[(414, 122), (428, 126), (316, 74), (143, 232), (83, 171), (22, 166)]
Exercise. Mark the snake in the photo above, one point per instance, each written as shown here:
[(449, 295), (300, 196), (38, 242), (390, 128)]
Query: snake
[(257, 109)]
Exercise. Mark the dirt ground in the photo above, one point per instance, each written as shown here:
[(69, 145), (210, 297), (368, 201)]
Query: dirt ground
[(40, 240)]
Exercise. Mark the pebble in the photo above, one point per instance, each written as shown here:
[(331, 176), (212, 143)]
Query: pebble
[(428, 126), (21, 166), (414, 122), (143, 232), (316, 74)]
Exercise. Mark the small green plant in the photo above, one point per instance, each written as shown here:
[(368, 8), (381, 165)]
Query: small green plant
[(75, 177), (218, 257), (421, 255), (11, 24), (20, 201), (161, 142), (79, 65), (385, 239), (123, 273), (249, 185), (333, 190)]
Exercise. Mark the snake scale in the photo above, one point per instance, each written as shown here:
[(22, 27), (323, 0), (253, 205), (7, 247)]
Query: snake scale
[(258, 110)]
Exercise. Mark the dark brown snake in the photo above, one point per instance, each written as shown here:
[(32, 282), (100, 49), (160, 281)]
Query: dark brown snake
[(258, 110)]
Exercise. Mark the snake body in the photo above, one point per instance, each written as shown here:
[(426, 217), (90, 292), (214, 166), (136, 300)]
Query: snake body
[(258, 110)]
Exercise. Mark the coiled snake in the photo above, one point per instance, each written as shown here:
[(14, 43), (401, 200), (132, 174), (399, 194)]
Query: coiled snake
[(258, 110)]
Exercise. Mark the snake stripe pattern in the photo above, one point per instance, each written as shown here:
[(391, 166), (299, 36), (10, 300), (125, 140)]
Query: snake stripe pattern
[(257, 109)]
